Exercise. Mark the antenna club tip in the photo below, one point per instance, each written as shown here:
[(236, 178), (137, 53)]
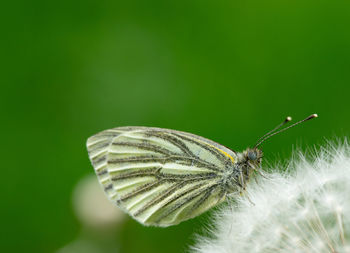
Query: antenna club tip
[(289, 118), (312, 116)]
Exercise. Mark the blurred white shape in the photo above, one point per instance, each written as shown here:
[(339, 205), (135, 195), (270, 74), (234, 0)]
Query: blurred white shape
[(307, 210), (100, 219), (92, 207)]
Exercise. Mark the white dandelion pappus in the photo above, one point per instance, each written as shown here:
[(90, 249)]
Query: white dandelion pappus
[(162, 177), (305, 210)]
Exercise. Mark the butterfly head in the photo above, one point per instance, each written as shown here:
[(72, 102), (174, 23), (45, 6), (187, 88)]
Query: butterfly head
[(253, 157), (248, 162)]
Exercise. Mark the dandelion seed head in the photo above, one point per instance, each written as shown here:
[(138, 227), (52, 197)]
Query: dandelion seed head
[(306, 210)]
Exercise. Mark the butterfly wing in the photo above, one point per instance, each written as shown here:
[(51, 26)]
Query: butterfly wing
[(159, 176)]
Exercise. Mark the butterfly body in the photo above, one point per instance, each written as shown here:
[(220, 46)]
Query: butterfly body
[(162, 177)]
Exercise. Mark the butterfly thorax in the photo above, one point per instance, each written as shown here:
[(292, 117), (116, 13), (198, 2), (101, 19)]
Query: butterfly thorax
[(241, 171)]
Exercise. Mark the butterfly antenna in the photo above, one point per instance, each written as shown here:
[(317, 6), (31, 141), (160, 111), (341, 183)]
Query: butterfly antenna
[(271, 133), (277, 127)]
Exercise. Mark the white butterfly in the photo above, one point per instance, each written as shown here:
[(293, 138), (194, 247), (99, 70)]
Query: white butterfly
[(162, 177)]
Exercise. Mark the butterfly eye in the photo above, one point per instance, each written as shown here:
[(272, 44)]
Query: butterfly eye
[(252, 155)]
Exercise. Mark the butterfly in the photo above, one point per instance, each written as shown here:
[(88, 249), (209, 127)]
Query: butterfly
[(162, 177)]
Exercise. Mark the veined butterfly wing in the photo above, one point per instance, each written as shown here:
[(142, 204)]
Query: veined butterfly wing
[(161, 177)]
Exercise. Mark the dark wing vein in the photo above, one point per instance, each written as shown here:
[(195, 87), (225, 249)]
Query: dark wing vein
[(190, 161), (145, 146), (173, 140), (214, 151), (140, 190), (184, 201)]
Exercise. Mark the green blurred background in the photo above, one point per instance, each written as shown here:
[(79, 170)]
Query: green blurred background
[(225, 70)]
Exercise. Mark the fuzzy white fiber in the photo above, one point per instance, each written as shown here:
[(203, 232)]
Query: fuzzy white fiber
[(306, 209)]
